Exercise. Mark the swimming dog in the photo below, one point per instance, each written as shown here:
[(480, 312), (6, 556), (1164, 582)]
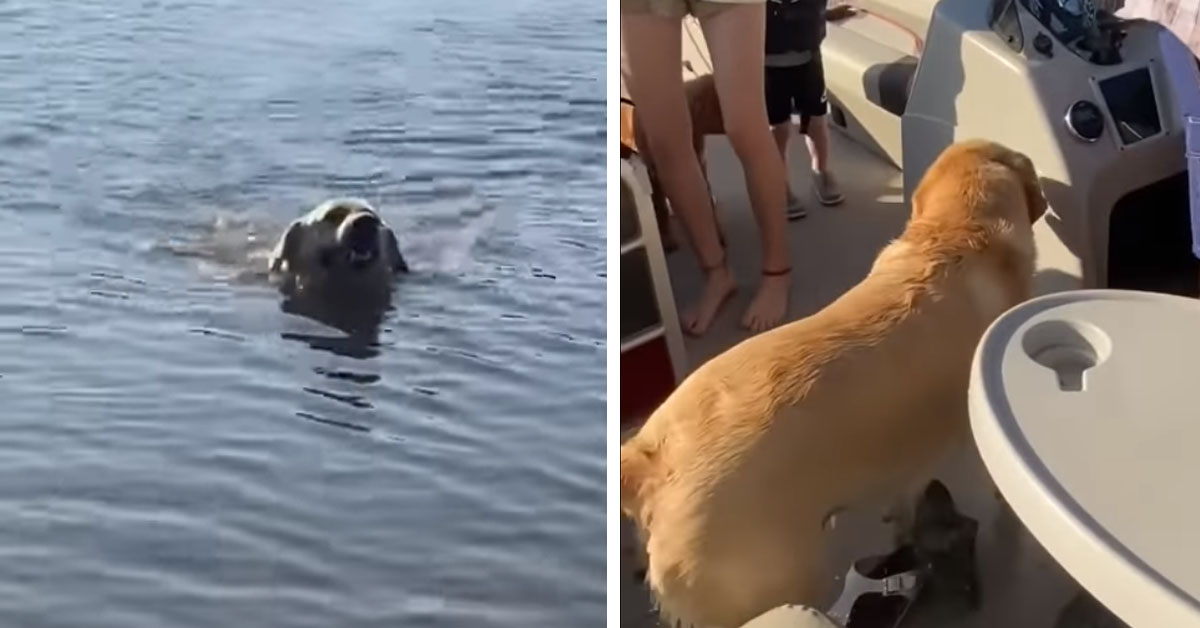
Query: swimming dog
[(341, 243)]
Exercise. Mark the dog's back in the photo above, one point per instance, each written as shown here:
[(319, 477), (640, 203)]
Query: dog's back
[(830, 412), (735, 475), (704, 108)]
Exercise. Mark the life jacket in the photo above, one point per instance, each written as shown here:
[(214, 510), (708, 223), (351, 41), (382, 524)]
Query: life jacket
[(795, 25)]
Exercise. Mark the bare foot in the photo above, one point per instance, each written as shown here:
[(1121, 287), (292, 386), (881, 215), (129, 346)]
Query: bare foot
[(770, 303), (717, 288)]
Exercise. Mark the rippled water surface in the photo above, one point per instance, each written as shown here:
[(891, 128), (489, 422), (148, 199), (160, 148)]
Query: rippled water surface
[(178, 451)]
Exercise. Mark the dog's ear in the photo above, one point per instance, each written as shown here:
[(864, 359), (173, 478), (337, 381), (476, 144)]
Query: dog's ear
[(637, 468), (933, 178), (392, 246), (285, 250), (1022, 166), (1035, 197)]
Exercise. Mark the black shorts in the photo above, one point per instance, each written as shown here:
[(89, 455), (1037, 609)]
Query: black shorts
[(798, 89)]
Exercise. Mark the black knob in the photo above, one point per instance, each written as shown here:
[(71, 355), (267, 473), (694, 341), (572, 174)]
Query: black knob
[(1043, 44)]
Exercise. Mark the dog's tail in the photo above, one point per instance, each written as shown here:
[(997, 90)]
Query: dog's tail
[(637, 470)]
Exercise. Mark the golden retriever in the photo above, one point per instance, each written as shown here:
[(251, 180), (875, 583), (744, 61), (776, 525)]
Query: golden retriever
[(732, 480), (341, 243)]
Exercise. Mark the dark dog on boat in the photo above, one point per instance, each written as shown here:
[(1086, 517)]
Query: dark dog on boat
[(705, 110), (944, 542)]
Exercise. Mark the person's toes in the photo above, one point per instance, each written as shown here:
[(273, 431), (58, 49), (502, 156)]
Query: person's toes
[(769, 305), (687, 320), (701, 317), (761, 322), (698, 327), (717, 289)]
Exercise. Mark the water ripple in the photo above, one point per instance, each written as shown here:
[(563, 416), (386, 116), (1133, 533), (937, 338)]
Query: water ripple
[(180, 450)]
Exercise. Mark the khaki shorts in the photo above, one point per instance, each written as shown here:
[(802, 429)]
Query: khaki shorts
[(680, 8)]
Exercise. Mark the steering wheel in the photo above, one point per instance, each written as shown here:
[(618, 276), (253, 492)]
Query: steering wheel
[(1067, 20)]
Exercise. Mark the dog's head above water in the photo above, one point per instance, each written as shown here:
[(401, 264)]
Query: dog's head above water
[(341, 243)]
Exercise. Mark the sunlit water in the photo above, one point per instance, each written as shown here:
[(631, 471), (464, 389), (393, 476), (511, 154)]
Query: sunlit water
[(178, 451)]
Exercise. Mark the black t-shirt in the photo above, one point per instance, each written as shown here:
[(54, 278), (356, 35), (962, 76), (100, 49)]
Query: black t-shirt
[(794, 25)]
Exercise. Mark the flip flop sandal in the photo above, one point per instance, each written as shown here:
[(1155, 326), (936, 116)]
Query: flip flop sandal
[(879, 591), (795, 207)]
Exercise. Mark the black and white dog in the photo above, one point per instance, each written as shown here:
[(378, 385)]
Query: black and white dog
[(340, 244)]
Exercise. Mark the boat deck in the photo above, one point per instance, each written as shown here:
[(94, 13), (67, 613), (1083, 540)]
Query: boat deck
[(831, 250)]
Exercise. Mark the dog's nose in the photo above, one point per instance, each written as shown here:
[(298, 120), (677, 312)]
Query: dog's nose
[(362, 232)]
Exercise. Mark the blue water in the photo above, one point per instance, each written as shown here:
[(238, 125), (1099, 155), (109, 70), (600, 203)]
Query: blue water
[(175, 450)]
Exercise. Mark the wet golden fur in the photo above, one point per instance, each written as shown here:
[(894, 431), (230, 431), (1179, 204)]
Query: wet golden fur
[(730, 480)]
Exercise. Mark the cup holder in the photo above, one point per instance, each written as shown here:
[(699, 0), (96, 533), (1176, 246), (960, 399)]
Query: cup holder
[(1069, 348)]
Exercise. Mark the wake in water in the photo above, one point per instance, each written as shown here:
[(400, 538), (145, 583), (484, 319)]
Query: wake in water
[(443, 234), (436, 237), (231, 249)]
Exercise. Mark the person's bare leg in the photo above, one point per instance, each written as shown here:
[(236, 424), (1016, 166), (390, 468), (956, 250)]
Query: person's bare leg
[(652, 46), (818, 143), (782, 133), (662, 215), (825, 184), (735, 41)]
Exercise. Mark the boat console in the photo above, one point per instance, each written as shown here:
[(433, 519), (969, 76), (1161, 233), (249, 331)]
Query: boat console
[(1085, 94), (1078, 25)]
